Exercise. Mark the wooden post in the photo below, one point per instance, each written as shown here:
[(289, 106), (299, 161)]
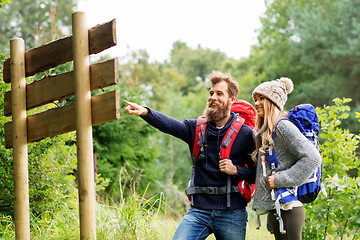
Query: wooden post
[(84, 143), (20, 151)]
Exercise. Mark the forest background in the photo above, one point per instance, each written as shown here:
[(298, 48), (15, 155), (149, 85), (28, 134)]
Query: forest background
[(315, 43)]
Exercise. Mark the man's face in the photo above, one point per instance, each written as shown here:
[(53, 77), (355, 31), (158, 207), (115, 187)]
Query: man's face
[(219, 102)]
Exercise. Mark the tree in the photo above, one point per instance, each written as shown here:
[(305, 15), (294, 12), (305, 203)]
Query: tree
[(330, 48), (274, 55), (36, 21), (322, 59), (194, 64)]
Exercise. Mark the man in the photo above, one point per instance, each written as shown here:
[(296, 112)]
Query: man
[(209, 213)]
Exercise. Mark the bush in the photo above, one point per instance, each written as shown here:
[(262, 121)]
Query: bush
[(338, 214)]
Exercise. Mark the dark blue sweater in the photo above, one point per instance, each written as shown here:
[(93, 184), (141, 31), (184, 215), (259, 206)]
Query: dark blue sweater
[(207, 171)]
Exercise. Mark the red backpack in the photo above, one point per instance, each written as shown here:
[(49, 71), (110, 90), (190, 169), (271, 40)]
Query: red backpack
[(246, 114), (245, 110)]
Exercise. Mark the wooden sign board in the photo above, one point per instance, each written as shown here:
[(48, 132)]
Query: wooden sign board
[(79, 116), (60, 51), (61, 86), (104, 108)]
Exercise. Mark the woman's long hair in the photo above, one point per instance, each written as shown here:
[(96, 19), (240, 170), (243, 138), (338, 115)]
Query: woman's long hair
[(264, 128)]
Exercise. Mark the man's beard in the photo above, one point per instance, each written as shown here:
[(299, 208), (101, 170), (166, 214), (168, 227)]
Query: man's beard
[(218, 113)]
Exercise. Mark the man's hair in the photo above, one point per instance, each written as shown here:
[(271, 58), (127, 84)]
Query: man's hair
[(216, 77)]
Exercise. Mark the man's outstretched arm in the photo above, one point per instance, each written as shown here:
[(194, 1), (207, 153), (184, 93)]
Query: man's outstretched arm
[(181, 129)]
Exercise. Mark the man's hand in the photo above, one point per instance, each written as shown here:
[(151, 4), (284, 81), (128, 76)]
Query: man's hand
[(228, 167), (136, 109)]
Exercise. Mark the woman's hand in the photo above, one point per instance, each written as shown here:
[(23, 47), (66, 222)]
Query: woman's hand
[(228, 167), (270, 180)]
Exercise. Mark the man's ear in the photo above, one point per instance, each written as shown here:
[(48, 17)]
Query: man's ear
[(232, 100)]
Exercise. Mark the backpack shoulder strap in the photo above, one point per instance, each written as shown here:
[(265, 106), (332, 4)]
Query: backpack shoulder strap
[(226, 145), (230, 136), (284, 118), (199, 136), (270, 155)]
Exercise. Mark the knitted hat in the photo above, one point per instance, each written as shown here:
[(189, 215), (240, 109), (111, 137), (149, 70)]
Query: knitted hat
[(275, 90)]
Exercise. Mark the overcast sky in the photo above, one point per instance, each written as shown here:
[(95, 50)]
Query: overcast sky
[(154, 25)]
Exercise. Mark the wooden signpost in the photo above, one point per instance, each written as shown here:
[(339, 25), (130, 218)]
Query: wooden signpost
[(79, 116)]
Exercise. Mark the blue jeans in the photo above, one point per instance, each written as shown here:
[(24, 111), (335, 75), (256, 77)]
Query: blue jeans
[(225, 224)]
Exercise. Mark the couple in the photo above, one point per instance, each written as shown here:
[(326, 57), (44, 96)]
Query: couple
[(209, 213)]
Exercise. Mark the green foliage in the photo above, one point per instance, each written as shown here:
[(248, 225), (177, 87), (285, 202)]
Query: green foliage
[(3, 2), (274, 56), (120, 143), (6, 183), (36, 22), (134, 218), (194, 64), (51, 164), (125, 142), (333, 40), (338, 214), (329, 48), (50, 172), (322, 59)]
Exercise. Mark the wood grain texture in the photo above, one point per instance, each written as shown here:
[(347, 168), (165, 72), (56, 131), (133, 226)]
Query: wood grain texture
[(61, 86), (59, 51), (56, 121)]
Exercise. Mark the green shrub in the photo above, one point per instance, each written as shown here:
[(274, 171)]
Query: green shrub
[(338, 214)]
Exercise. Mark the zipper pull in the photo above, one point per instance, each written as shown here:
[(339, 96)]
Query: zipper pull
[(273, 195), (263, 165)]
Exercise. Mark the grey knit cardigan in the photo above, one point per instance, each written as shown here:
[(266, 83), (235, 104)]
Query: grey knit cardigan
[(297, 157)]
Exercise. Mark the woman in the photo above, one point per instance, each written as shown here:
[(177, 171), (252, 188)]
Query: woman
[(297, 158)]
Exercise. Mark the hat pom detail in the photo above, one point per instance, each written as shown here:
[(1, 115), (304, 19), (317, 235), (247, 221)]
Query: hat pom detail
[(289, 86)]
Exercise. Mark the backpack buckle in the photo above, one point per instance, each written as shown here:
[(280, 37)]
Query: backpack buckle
[(212, 190)]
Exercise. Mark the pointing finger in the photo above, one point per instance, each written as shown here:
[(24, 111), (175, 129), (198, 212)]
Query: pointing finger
[(129, 103)]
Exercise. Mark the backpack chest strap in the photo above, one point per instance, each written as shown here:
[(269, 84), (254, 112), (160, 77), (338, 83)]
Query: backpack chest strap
[(211, 190)]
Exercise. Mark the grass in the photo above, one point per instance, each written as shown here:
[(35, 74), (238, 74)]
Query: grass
[(252, 233), (134, 218)]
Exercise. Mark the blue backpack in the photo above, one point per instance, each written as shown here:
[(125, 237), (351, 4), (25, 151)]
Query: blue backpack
[(305, 118)]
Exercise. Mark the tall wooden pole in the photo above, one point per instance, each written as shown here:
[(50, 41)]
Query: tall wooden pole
[(20, 151), (84, 143)]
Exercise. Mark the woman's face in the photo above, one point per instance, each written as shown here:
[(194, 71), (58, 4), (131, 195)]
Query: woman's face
[(259, 104)]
